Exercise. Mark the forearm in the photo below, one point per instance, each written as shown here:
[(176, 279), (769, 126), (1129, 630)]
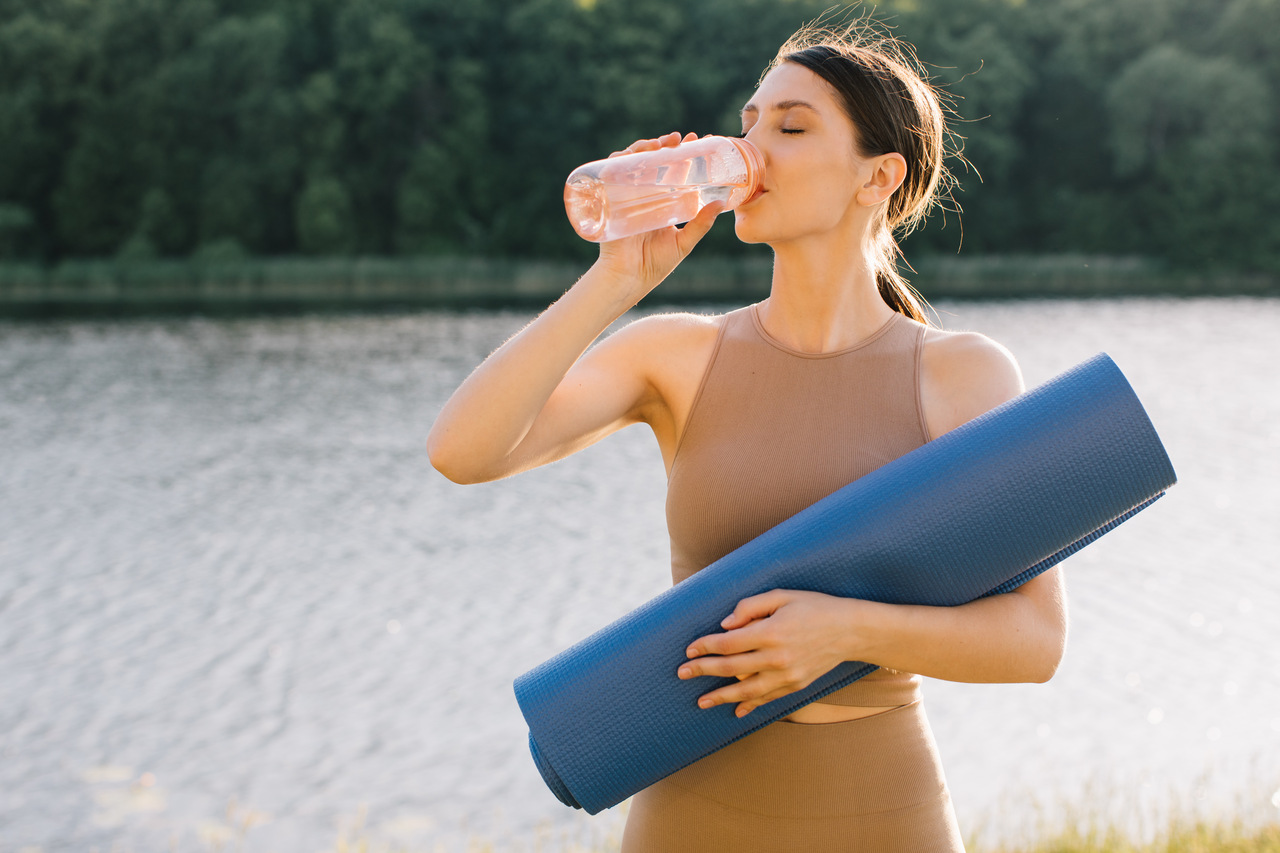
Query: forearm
[(1014, 637), (491, 412)]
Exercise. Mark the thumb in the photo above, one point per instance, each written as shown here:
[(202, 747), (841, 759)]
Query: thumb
[(695, 229), (755, 607)]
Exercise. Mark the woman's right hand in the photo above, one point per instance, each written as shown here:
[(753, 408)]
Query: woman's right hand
[(541, 396), (646, 259)]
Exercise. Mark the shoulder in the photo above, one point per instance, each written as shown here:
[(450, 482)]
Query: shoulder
[(962, 375), (667, 339), (668, 353), (673, 326)]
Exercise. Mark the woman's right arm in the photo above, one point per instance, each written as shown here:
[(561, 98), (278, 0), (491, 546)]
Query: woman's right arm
[(537, 398)]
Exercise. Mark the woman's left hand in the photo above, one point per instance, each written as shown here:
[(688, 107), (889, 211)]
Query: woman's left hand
[(774, 644)]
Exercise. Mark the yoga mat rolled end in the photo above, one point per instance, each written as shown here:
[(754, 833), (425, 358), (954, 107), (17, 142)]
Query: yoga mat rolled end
[(551, 777)]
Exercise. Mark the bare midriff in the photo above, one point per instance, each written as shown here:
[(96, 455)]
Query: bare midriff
[(818, 712)]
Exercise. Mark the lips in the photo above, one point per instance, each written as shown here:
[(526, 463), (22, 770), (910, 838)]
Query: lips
[(759, 192)]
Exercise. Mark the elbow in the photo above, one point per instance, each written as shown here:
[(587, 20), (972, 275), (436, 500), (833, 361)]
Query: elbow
[(452, 473), (1047, 662), (1047, 637), (1044, 672), (449, 462), (457, 463)]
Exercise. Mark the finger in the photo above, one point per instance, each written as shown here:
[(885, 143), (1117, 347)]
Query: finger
[(755, 607), (750, 705), (695, 229), (641, 145), (746, 690), (647, 144), (652, 144), (667, 140), (689, 137), (738, 641), (727, 666)]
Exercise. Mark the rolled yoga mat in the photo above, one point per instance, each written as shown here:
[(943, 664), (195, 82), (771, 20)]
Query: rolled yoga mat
[(975, 512)]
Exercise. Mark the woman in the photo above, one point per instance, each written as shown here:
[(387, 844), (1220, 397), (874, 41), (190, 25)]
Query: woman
[(762, 411)]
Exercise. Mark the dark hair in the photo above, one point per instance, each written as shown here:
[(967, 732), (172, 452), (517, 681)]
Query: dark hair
[(893, 107)]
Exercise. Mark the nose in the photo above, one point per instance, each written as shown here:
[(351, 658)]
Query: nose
[(757, 139)]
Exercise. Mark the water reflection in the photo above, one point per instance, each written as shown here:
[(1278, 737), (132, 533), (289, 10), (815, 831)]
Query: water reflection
[(227, 568)]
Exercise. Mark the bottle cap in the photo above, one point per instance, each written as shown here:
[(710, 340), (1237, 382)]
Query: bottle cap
[(754, 160)]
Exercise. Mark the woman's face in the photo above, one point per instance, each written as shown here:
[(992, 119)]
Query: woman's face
[(812, 169)]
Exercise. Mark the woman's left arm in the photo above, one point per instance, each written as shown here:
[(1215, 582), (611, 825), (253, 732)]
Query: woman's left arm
[(780, 641)]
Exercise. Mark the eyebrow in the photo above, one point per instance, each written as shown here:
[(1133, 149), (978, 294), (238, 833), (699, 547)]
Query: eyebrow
[(781, 105)]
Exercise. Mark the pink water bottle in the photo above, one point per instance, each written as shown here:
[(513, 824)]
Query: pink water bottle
[(635, 193)]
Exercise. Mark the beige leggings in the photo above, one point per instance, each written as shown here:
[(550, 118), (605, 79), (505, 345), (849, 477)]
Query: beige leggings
[(873, 784)]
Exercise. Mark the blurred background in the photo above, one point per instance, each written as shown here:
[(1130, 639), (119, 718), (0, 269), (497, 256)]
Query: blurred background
[(239, 610), (220, 131)]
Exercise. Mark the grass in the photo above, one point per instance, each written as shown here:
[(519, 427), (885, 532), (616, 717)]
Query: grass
[(1225, 836), (1110, 819), (1179, 835), (253, 284), (1101, 816), (1228, 836), (1108, 822)]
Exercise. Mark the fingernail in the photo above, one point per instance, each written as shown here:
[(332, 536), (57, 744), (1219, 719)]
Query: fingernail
[(685, 672), (704, 703), (691, 652), (742, 713)]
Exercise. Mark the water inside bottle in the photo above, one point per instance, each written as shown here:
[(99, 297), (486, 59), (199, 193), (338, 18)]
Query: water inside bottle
[(629, 195), (635, 210)]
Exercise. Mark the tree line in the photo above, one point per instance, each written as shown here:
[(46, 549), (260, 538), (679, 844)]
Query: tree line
[(234, 128)]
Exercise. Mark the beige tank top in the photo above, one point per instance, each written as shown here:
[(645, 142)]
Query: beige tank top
[(773, 429)]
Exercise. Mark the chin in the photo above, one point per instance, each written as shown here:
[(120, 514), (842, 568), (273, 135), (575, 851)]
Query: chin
[(748, 229)]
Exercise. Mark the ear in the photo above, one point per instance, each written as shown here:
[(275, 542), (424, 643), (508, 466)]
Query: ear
[(886, 174)]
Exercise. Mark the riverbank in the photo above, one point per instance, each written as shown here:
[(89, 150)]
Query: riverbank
[(1225, 835), (113, 287)]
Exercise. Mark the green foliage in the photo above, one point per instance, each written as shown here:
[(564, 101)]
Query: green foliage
[(160, 128), (217, 252), (325, 225), (15, 222), (1195, 137)]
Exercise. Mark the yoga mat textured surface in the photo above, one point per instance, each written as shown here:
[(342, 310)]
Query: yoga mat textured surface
[(975, 512)]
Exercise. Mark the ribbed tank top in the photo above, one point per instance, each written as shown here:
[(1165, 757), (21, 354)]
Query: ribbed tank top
[(773, 429)]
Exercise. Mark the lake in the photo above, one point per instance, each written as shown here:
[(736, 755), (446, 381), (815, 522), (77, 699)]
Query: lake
[(233, 590)]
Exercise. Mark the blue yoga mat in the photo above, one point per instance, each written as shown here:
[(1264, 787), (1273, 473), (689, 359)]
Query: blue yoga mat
[(975, 512)]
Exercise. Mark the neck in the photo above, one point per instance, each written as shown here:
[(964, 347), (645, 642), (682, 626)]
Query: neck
[(823, 297)]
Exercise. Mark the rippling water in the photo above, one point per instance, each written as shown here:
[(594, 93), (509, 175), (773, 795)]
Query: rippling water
[(232, 587)]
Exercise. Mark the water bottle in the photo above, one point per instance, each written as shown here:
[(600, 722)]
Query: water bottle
[(635, 193)]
